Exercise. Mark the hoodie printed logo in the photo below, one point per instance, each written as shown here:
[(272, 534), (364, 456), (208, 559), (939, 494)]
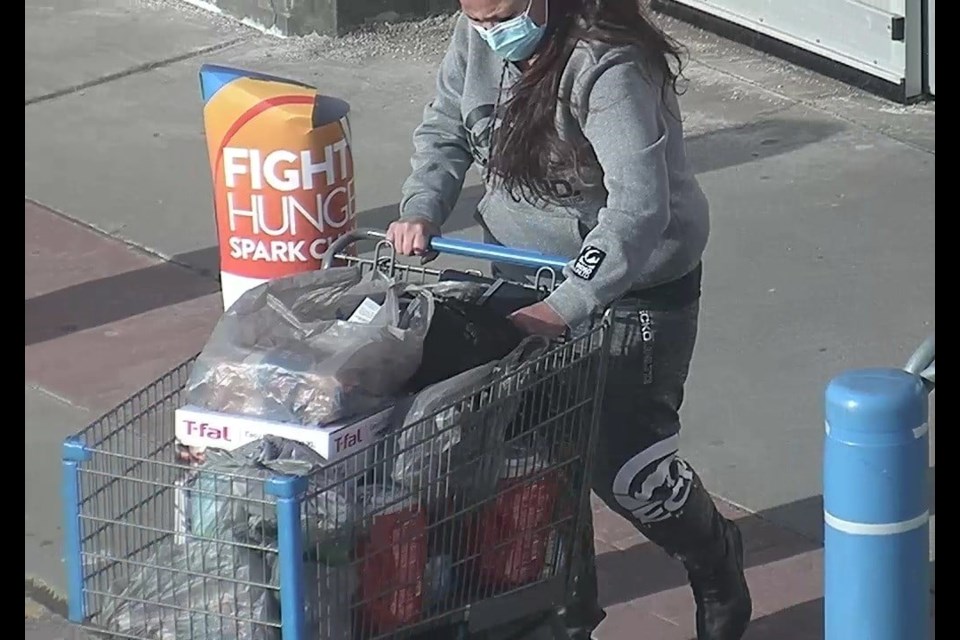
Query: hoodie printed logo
[(588, 262), (480, 126)]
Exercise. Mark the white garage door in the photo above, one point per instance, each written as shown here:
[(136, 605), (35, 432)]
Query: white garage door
[(930, 53), (883, 38)]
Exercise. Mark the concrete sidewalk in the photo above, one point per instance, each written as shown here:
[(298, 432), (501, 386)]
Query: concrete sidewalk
[(821, 259)]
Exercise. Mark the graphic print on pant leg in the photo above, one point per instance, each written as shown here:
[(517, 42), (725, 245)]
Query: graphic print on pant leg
[(639, 473), (651, 350), (641, 476), (647, 337), (665, 481)]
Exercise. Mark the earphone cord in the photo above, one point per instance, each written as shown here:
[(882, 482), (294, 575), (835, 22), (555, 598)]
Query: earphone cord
[(492, 125)]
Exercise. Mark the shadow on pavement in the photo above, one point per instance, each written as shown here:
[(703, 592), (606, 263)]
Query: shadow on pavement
[(184, 277), (734, 146), (193, 275), (644, 569), (803, 621), (100, 302)]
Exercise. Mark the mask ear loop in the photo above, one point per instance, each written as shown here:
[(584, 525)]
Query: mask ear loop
[(546, 12)]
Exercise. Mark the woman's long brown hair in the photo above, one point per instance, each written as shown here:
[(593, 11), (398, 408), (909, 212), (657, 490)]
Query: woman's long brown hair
[(527, 148)]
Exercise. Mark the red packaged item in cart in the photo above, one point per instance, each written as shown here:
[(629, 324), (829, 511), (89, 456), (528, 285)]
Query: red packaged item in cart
[(515, 536), (393, 560)]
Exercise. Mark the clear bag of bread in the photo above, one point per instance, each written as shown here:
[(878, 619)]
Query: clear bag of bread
[(313, 348)]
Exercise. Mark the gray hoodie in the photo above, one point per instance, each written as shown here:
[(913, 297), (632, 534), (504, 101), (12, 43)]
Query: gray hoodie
[(636, 219)]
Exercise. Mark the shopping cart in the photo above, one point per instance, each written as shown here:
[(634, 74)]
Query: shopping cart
[(457, 524)]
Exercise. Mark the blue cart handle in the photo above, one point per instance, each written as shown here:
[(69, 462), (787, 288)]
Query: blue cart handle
[(923, 362), (455, 247)]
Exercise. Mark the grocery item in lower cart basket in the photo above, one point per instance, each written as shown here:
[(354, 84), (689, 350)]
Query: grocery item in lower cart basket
[(392, 559), (219, 579), (201, 591), (438, 578), (329, 584), (224, 499), (517, 535), (209, 590)]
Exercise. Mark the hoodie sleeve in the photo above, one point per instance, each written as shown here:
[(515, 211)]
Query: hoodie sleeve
[(624, 124), (441, 155)]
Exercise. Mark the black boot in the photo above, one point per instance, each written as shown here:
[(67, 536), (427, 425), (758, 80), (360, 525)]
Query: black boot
[(711, 549), (583, 613), (723, 599)]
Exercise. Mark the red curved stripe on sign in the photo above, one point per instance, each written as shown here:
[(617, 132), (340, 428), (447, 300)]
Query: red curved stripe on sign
[(253, 112)]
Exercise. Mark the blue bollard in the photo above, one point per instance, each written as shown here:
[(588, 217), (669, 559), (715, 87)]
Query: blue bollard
[(876, 519)]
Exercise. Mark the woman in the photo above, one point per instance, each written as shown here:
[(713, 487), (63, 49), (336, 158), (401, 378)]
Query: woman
[(570, 109)]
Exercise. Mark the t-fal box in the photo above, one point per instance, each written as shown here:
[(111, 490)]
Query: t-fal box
[(198, 427)]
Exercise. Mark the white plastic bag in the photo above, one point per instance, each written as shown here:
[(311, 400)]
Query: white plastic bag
[(313, 348), (450, 423)]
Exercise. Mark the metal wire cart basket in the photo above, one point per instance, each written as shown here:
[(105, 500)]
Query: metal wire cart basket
[(449, 525)]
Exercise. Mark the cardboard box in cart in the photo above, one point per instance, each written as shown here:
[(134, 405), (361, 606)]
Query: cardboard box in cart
[(196, 427)]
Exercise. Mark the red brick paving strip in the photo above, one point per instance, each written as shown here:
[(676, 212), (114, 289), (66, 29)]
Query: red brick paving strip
[(74, 276)]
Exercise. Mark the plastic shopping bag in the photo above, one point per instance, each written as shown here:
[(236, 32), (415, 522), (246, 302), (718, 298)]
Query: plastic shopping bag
[(449, 424), (227, 500), (203, 590), (313, 348), (463, 334)]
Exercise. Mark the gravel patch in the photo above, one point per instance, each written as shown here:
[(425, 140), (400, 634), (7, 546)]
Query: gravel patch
[(418, 40)]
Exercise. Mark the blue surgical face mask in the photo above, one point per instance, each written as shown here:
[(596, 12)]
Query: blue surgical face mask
[(515, 39)]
